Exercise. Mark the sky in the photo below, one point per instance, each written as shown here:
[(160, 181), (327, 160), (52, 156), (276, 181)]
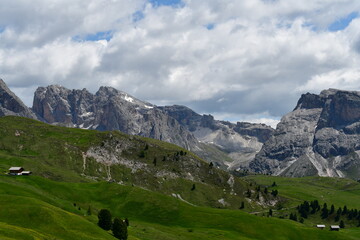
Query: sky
[(239, 60)]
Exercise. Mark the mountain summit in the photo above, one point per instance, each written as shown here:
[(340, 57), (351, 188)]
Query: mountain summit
[(108, 109), (321, 136)]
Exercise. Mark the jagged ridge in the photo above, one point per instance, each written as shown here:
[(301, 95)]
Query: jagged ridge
[(319, 137)]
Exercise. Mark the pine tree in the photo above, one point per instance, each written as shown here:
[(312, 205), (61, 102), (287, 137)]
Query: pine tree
[(339, 211), (314, 205), (345, 210), (116, 228), (274, 184), (119, 229), (193, 187), (104, 217), (88, 212), (342, 224), (324, 212), (242, 205), (332, 209)]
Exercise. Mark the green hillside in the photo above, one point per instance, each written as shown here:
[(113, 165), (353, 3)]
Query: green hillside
[(76, 155), (39, 208), (339, 192), (165, 191)]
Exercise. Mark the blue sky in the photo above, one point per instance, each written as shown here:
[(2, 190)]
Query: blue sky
[(343, 22), (165, 2)]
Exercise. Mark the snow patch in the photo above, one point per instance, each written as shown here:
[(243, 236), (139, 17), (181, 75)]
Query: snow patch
[(128, 99), (87, 114)]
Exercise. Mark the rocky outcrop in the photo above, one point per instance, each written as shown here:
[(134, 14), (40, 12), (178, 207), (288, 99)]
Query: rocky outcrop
[(109, 109), (238, 143), (319, 137), (10, 104)]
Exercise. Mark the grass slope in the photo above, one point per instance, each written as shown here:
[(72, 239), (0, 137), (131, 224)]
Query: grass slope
[(52, 203), (339, 192), (40, 208), (58, 153)]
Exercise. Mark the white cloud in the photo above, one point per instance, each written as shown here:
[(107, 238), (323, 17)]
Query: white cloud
[(258, 56), (346, 79)]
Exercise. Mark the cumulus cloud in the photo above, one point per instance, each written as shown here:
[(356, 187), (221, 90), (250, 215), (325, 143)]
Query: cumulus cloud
[(235, 59)]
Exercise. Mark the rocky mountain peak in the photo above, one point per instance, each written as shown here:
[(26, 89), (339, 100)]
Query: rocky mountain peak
[(108, 109), (319, 137), (10, 104), (107, 91), (309, 100)]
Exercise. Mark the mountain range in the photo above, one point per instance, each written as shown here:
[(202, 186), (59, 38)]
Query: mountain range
[(319, 137)]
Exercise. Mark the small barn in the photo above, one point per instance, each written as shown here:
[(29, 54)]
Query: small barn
[(321, 226), (334, 227), (16, 170), (26, 172)]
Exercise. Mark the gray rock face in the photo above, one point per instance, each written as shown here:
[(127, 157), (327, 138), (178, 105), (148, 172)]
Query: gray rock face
[(236, 144), (319, 137), (109, 109), (10, 104)]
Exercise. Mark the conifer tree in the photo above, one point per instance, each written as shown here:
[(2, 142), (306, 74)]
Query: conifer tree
[(332, 209), (119, 229), (345, 210), (88, 212), (342, 224), (339, 211), (324, 212), (104, 217)]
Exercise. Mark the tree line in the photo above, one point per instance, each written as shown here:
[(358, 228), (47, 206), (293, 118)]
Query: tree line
[(313, 207)]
